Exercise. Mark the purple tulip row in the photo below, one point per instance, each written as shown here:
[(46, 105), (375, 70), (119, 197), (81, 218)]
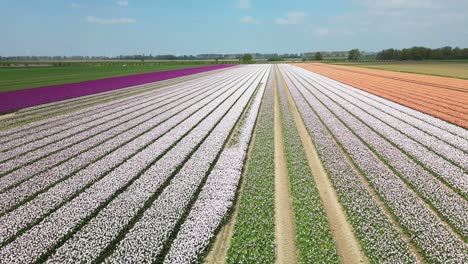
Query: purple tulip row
[(84, 153), (70, 105), (133, 199), (54, 125), (15, 100), (123, 148), (27, 118), (82, 142), (122, 179)]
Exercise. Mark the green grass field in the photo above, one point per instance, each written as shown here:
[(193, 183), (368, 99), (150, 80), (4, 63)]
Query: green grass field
[(16, 78), (454, 69)]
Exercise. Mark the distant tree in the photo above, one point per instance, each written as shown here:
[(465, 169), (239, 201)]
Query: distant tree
[(247, 58), (354, 54), (318, 56), (275, 59)]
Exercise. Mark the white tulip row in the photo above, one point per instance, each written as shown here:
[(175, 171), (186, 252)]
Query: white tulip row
[(98, 120), (415, 137), (34, 112), (55, 123), (426, 119), (147, 238), (408, 120), (217, 196), (74, 163), (53, 154), (88, 243), (314, 239), (451, 206), (44, 146), (100, 138), (75, 104), (65, 190), (31, 245), (379, 238), (74, 120), (429, 233)]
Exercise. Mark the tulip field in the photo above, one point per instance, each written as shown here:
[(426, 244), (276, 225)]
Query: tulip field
[(258, 163)]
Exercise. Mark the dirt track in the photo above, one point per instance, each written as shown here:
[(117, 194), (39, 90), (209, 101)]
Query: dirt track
[(285, 232), (347, 244)]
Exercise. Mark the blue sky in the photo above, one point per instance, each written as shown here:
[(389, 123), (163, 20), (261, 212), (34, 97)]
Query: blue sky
[(114, 27)]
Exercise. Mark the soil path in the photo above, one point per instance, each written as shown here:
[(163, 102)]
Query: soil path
[(285, 231), (347, 244), (5, 116)]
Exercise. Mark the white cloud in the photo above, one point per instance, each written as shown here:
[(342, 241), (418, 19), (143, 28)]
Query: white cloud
[(405, 23), (398, 4), (292, 18), (122, 3), (75, 5), (109, 21), (249, 20), (322, 31), (244, 4)]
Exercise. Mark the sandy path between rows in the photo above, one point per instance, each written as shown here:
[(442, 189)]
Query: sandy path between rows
[(347, 245), (285, 230), (6, 116)]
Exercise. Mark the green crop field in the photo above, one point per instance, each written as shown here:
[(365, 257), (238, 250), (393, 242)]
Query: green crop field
[(454, 69), (16, 78)]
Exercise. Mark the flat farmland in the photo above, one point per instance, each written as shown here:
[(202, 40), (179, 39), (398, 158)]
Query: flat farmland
[(17, 78), (445, 69), (246, 164)]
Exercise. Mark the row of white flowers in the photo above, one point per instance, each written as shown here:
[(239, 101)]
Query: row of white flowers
[(80, 155), (76, 105), (81, 107), (416, 138), (145, 241), (429, 233), (408, 120), (99, 136), (379, 238), (427, 119), (31, 244), (451, 206), (88, 243), (80, 128), (314, 238), (217, 196)]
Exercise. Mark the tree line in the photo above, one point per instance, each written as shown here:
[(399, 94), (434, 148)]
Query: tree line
[(423, 53)]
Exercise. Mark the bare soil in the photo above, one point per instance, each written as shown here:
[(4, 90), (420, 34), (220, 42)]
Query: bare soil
[(5, 116), (347, 245), (285, 230)]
